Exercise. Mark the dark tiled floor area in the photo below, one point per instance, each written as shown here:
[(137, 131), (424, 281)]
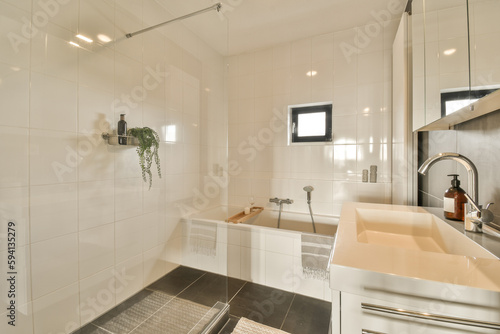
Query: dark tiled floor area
[(159, 307), (292, 313)]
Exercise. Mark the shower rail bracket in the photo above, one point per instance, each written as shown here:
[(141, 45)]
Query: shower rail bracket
[(113, 140)]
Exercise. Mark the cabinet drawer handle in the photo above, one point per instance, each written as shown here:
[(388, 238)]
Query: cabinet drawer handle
[(366, 331), (429, 316)]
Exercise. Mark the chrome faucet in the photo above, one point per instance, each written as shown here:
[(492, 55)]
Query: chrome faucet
[(475, 215), (472, 185), (279, 202)]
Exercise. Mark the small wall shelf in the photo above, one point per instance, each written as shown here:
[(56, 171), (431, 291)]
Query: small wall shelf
[(113, 140)]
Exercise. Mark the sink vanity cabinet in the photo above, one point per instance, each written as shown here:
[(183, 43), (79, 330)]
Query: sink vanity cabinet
[(399, 269), (388, 312)]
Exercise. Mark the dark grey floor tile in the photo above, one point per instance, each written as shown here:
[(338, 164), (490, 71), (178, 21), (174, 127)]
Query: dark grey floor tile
[(261, 304), (91, 329), (308, 315), (177, 280), (132, 312), (212, 288), (229, 327)]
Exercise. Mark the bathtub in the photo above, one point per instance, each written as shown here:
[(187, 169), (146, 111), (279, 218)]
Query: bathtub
[(256, 250)]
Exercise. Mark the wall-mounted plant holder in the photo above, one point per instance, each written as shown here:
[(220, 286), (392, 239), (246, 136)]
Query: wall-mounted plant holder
[(114, 140)]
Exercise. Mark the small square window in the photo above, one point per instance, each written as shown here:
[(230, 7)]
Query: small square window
[(310, 123)]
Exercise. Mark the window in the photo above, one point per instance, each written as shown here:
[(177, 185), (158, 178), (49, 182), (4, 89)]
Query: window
[(310, 123)]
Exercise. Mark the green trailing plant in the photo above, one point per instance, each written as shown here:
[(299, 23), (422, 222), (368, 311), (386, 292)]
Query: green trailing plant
[(149, 142)]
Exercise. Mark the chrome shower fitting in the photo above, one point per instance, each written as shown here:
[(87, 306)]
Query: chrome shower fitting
[(309, 189)]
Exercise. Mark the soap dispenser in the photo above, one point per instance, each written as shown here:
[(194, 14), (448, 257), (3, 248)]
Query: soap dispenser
[(454, 199)]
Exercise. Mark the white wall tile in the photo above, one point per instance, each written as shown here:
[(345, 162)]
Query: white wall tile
[(97, 295), (128, 198), (54, 264), (263, 60), (15, 44), (128, 18), (53, 103), (345, 100), (14, 96), (345, 58), (51, 53), (57, 311), (95, 204), (63, 14), (97, 161), (154, 265), (128, 238), (53, 157), (301, 52), (278, 272), (345, 129), (14, 207), (95, 111), (253, 265), (132, 280), (94, 19), (14, 144), (96, 249), (53, 211), (96, 70), (233, 261), (373, 128), (246, 63), (345, 161), (153, 229), (371, 67), (323, 80), (322, 48)]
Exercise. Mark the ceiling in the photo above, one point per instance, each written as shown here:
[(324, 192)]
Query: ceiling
[(256, 24)]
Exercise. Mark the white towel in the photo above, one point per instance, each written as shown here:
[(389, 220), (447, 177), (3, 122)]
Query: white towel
[(203, 238), (316, 250)]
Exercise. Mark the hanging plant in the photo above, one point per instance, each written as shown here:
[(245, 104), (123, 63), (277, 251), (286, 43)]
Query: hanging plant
[(149, 142)]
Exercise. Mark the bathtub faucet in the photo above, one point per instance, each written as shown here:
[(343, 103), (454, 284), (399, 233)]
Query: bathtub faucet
[(279, 202)]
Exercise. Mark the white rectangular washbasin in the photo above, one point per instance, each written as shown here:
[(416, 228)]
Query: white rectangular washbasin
[(414, 231), (409, 242)]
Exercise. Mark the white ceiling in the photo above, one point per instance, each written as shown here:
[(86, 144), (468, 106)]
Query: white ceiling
[(257, 24)]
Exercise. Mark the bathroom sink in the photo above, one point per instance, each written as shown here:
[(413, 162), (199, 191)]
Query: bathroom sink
[(415, 231), (408, 249)]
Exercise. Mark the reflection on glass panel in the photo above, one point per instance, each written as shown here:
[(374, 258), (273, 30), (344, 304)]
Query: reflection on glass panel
[(312, 124), (452, 106)]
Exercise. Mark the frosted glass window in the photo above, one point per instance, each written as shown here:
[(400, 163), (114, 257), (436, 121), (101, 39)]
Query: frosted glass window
[(312, 124)]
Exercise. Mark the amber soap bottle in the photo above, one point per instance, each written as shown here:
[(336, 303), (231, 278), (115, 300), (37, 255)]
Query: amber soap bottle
[(454, 199)]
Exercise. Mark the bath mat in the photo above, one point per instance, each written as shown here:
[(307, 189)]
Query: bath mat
[(179, 316), (245, 326), (316, 250), (203, 238)]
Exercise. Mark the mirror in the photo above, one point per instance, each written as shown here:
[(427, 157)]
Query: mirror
[(456, 58)]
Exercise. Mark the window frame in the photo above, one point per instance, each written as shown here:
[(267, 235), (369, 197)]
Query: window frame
[(296, 110)]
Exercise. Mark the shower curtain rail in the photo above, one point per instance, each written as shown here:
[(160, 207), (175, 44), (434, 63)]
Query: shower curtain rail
[(217, 7)]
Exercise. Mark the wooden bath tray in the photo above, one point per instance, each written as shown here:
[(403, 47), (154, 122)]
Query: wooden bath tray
[(241, 217)]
